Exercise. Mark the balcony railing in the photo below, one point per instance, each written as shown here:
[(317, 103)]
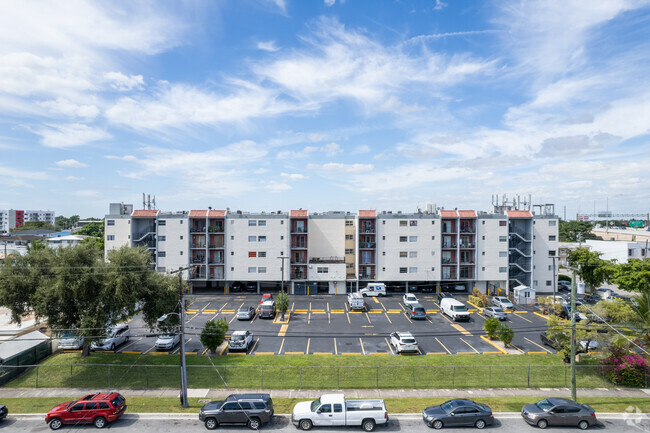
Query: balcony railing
[(467, 245), (367, 245), (216, 261), (332, 259), (449, 261), (367, 231), (299, 245), (214, 246), (216, 276), (198, 275), (449, 230), (365, 276), (467, 261), (449, 246), (467, 230), (298, 275), (198, 260), (197, 229), (299, 261), (215, 229), (450, 276), (197, 245), (299, 230)]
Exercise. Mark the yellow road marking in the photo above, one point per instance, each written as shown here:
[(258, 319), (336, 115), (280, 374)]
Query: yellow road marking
[(475, 306), (308, 342), (348, 316), (236, 353), (522, 351), (541, 315), (322, 353), (292, 305), (374, 298), (125, 351), (159, 353), (487, 340), (469, 345), (378, 353), (461, 329), (265, 353), (520, 312), (294, 353), (407, 318), (362, 349), (523, 318), (537, 353), (466, 353), (203, 353), (336, 350), (443, 346), (151, 348), (437, 353), (368, 317), (281, 346), (233, 318), (130, 344), (541, 347), (283, 330), (351, 353), (492, 353), (389, 321), (337, 311), (355, 312), (254, 345), (389, 346), (223, 350)]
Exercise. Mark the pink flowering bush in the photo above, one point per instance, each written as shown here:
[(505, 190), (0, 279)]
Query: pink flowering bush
[(626, 369)]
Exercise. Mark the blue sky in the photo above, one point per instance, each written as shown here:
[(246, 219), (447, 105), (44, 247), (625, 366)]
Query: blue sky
[(324, 105)]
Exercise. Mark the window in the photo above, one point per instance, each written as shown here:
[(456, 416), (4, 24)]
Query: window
[(483, 253), (261, 270), (413, 223), (482, 237), (503, 238), (403, 238), (349, 265), (282, 237), (77, 407), (433, 238), (252, 238), (383, 238), (349, 237), (232, 268), (503, 254), (162, 254), (433, 222), (413, 270), (349, 251), (252, 223), (535, 283), (433, 269), (338, 407), (433, 253), (181, 253), (181, 222), (503, 269), (483, 268), (91, 406), (550, 267), (383, 253), (503, 223), (403, 254), (252, 270), (551, 253), (349, 223), (252, 254), (403, 270), (384, 222), (323, 270), (103, 405), (261, 239), (162, 238), (326, 408), (181, 237), (110, 237), (483, 222), (413, 254), (383, 269), (232, 238), (261, 223), (552, 223), (403, 223), (413, 238), (110, 222), (552, 238), (230, 406), (232, 253), (281, 222), (261, 254), (548, 283), (162, 222)]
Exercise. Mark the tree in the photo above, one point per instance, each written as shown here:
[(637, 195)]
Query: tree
[(491, 326), (559, 331), (506, 334), (95, 229), (641, 307), (213, 334), (282, 302), (633, 276), (573, 231), (63, 223), (593, 270), (33, 225), (73, 288)]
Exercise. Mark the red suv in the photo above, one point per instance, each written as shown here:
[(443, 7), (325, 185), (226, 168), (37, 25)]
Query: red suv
[(99, 409), (266, 297)]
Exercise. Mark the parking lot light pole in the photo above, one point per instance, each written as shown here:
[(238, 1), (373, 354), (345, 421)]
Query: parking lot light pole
[(283, 258), (179, 271)]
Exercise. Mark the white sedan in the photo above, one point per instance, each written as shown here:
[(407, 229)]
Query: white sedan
[(167, 341), (409, 299)]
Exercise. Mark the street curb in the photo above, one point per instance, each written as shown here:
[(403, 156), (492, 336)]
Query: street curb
[(401, 416)]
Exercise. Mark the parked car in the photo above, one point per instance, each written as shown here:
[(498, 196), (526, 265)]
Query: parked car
[(117, 335), (240, 340), (267, 310), (559, 411), (456, 310), (98, 409), (409, 299), (266, 297), (458, 412), (502, 302), (356, 302), (403, 342), (334, 410), (566, 313), (417, 311), (245, 313), (443, 295), (582, 346), (589, 299), (374, 289), (495, 312), (3, 411), (253, 410), (459, 288), (167, 341), (70, 340)]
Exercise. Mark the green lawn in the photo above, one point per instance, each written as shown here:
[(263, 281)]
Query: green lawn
[(285, 405), (307, 372)]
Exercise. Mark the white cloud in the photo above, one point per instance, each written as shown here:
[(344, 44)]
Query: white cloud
[(361, 149), (340, 167), (329, 3), (87, 193), (71, 135), (129, 158), (16, 177), (329, 149), (269, 46), (294, 176), (439, 5), (64, 106), (74, 178), (280, 4), (71, 163), (276, 187), (121, 82)]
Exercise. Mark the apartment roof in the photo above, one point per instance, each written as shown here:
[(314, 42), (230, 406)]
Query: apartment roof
[(299, 213), (467, 213), (367, 213), (448, 213), (198, 213), (145, 213), (519, 214), (216, 213)]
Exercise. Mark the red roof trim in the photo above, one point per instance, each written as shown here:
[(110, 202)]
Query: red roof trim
[(467, 213), (519, 214), (198, 213), (217, 213), (145, 213), (299, 213), (448, 214), (367, 213)]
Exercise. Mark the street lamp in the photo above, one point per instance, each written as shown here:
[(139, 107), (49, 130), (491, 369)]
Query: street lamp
[(162, 318), (283, 258)]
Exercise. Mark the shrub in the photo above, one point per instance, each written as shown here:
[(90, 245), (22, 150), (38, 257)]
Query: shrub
[(506, 334), (491, 326), (484, 300), (214, 334), (476, 301), (476, 292), (282, 302), (624, 368)]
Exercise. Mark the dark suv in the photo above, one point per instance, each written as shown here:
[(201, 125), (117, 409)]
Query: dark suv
[(267, 310), (253, 410)]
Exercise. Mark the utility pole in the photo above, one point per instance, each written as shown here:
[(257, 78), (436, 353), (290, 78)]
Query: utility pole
[(573, 336), (283, 258), (554, 281), (181, 314)]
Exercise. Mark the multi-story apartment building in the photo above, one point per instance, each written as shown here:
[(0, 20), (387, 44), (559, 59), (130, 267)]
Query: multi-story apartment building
[(337, 252), (12, 218)]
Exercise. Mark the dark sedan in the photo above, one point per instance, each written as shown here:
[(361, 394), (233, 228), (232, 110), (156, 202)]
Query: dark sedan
[(559, 411), (458, 412)]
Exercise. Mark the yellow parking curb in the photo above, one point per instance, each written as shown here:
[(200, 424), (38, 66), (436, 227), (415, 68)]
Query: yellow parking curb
[(351, 353), (277, 321), (378, 353), (322, 353), (264, 353), (466, 353), (72, 351), (541, 315), (475, 306), (437, 353), (493, 353), (158, 353), (294, 353), (132, 353), (500, 349), (537, 353)]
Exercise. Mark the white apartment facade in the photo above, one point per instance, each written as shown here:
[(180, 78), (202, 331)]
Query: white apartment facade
[(12, 218), (620, 251), (337, 252)]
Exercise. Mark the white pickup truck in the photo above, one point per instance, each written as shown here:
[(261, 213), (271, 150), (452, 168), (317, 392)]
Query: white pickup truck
[(334, 410)]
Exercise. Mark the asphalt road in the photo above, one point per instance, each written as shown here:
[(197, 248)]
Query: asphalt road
[(322, 324), (506, 424)]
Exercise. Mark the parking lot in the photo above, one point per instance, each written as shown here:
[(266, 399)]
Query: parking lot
[(323, 324)]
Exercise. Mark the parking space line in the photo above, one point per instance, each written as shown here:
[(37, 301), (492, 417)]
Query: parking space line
[(522, 351), (472, 347), (374, 298), (223, 350), (203, 353), (308, 342), (461, 330), (389, 321), (368, 317), (487, 340), (130, 344), (541, 347), (443, 346), (541, 315), (254, 345), (233, 318), (283, 331), (281, 346), (362, 349), (389, 346), (192, 318), (523, 318), (149, 349), (430, 321), (407, 318), (336, 350), (446, 318), (382, 305)]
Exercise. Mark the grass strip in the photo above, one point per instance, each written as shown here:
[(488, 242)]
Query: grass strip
[(285, 405)]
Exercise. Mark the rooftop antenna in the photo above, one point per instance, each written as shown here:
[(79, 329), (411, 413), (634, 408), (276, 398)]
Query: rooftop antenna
[(144, 203), (154, 202)]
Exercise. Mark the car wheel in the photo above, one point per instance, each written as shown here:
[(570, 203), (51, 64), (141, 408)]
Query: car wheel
[(112, 346), (584, 425), (437, 424), (254, 423), (100, 422), (479, 424), (55, 424), (368, 425), (211, 423), (542, 423), (305, 424)]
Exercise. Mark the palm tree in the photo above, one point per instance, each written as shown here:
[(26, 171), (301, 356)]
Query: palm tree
[(641, 306)]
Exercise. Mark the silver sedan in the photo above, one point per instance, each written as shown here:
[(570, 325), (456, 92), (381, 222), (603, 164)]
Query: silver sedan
[(245, 313), (495, 312)]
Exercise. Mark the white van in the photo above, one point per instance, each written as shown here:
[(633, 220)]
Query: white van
[(356, 302), (374, 289), (456, 310)]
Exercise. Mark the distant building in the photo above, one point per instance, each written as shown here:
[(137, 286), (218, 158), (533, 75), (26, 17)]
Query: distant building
[(620, 251), (66, 241), (12, 218)]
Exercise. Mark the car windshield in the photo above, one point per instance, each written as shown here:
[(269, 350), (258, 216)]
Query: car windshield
[(68, 334), (497, 310), (314, 405), (237, 337), (459, 308), (166, 337), (544, 405), (411, 297), (408, 340), (447, 406), (267, 307), (243, 310)]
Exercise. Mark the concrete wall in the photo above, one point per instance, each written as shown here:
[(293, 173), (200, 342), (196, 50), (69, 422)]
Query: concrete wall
[(492, 254), (545, 244), (176, 243)]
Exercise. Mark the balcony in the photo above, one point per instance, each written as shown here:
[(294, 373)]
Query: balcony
[(366, 276), (367, 263), (367, 245), (332, 259), (298, 245), (197, 229), (198, 246), (369, 231), (198, 260), (298, 275), (216, 275), (449, 261), (198, 275), (215, 229), (449, 246), (299, 230), (467, 245), (216, 246), (466, 261), (216, 261), (467, 230), (299, 261)]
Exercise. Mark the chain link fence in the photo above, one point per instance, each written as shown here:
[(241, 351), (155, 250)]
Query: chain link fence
[(307, 377)]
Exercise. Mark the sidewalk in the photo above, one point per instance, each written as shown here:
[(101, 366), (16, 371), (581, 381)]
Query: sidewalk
[(349, 393)]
